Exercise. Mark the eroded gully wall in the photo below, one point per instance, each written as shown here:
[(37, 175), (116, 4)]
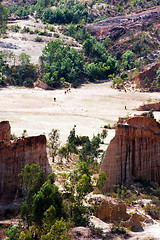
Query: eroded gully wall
[(134, 152)]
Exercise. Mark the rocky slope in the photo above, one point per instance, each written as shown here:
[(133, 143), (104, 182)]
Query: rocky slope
[(117, 26), (138, 32)]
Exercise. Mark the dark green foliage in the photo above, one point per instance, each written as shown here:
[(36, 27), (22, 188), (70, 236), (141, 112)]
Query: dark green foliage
[(90, 150), (60, 61), (22, 12), (78, 32), (58, 231), (40, 196), (31, 178), (13, 233), (78, 186), (47, 196), (3, 18), (66, 14), (128, 60), (102, 178), (103, 65), (23, 74)]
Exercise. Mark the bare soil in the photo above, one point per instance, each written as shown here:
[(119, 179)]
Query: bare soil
[(89, 108)]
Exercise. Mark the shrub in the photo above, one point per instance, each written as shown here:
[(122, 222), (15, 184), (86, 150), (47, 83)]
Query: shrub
[(38, 39)]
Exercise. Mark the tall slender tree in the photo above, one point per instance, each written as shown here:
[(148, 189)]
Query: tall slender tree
[(3, 18)]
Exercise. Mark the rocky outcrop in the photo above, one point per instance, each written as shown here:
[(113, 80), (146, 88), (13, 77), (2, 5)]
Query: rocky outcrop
[(149, 106), (42, 85), (134, 152), (13, 157), (146, 77), (134, 223), (5, 131), (116, 26), (109, 209)]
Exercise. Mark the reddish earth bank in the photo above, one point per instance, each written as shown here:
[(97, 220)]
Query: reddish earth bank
[(134, 152), (14, 155)]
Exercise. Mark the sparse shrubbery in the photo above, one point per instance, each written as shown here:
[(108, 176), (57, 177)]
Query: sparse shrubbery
[(38, 39)]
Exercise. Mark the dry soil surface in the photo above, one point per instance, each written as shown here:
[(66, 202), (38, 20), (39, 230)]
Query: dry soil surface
[(89, 108)]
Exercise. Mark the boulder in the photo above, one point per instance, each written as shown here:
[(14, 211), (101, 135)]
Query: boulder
[(134, 223), (109, 209), (42, 85)]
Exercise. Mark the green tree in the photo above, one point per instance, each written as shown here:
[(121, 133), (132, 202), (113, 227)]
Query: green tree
[(60, 61), (58, 231), (128, 60), (92, 71), (13, 233), (53, 143), (31, 177), (102, 178), (48, 195)]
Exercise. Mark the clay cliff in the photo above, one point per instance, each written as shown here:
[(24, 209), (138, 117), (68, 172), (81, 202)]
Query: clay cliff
[(149, 106), (13, 157), (134, 152), (145, 78), (5, 131)]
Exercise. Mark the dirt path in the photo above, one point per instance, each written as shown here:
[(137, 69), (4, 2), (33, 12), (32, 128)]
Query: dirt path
[(90, 108)]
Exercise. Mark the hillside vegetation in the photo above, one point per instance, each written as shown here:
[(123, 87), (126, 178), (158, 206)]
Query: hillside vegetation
[(101, 54)]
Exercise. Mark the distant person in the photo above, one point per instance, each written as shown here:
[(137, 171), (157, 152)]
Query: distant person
[(54, 99)]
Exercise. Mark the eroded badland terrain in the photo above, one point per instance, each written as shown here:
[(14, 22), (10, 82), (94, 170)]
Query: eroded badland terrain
[(97, 86)]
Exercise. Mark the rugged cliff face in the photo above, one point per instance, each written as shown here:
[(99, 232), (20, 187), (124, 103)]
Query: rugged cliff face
[(134, 152), (13, 157)]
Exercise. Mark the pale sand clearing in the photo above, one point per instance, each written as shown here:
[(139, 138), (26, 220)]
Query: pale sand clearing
[(89, 108)]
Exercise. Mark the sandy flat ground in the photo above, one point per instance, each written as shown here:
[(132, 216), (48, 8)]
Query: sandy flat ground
[(89, 108)]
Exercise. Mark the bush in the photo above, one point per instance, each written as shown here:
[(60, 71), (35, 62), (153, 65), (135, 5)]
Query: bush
[(59, 62), (38, 39)]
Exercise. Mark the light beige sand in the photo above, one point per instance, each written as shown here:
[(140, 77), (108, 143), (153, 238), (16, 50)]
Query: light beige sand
[(89, 108)]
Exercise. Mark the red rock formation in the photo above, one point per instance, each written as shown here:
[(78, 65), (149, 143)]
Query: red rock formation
[(14, 156), (5, 131), (150, 73), (149, 106), (134, 152), (109, 209), (42, 85)]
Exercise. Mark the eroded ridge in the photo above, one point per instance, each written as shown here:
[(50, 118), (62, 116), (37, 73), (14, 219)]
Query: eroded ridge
[(134, 152), (14, 155)]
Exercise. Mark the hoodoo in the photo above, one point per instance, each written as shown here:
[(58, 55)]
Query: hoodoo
[(14, 155), (134, 152)]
